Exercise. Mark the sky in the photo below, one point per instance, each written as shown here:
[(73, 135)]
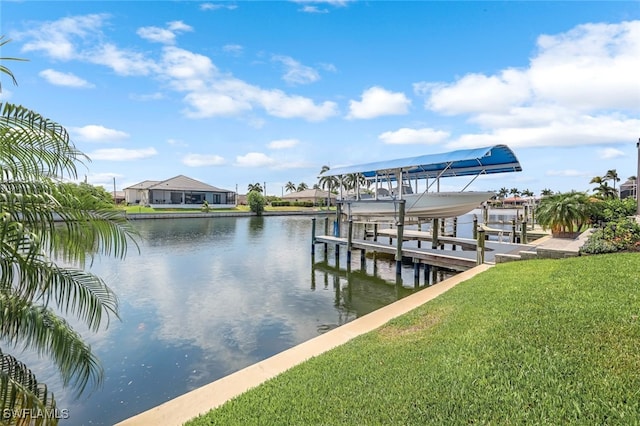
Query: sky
[(235, 93)]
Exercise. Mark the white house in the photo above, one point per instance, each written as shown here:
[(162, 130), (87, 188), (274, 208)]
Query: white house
[(178, 192)]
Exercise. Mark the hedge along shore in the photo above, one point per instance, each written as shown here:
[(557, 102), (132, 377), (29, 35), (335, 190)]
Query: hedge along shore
[(199, 401)]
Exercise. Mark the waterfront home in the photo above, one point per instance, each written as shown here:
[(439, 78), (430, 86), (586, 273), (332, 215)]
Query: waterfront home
[(316, 196), (178, 192)]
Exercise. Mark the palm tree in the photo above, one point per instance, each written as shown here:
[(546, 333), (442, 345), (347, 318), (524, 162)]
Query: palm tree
[(3, 68), (354, 181), (503, 192), (302, 186), (47, 233), (564, 212), (254, 187), (612, 175), (328, 182), (290, 187), (514, 191), (527, 193), (546, 192), (596, 179), (605, 191)]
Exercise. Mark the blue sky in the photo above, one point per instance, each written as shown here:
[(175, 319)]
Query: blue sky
[(233, 93)]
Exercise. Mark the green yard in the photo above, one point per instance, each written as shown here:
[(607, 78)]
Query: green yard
[(536, 342)]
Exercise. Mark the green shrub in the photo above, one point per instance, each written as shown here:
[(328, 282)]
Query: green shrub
[(622, 234), (256, 202)]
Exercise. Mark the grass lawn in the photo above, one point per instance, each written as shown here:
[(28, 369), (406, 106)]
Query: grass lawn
[(534, 342)]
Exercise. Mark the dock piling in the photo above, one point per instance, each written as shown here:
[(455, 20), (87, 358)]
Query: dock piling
[(400, 236), (313, 236), (480, 249)]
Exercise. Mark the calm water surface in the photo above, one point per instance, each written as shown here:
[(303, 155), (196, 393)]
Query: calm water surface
[(207, 297)]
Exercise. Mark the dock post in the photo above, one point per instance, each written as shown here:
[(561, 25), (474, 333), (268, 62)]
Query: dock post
[(434, 234), (455, 231), (349, 241), (443, 227), (400, 237), (375, 232), (485, 214), (416, 268), (313, 236), (480, 248), (427, 272), (336, 228), (363, 259), (513, 231), (523, 232), (475, 227), (326, 231)]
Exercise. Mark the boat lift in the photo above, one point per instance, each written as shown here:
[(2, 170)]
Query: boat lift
[(467, 162)]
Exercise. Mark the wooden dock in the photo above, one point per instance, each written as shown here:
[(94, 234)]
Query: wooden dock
[(456, 260)]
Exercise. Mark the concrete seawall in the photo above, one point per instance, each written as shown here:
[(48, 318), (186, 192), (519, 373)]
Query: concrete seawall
[(189, 215)]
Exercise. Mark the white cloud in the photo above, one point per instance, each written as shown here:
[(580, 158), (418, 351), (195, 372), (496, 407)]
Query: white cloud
[(122, 62), (609, 153), (591, 67), (235, 49), (163, 35), (580, 89), (200, 160), (283, 143), (295, 72), (254, 159), (414, 136), (57, 39), (122, 154), (475, 93), (217, 6), (158, 35), (570, 130), (97, 133), (64, 79), (207, 92), (377, 102)]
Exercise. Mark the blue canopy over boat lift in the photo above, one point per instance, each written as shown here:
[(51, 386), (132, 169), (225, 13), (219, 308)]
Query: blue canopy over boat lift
[(464, 162)]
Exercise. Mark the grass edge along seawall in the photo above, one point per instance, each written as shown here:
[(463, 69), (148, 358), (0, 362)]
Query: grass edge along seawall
[(542, 341)]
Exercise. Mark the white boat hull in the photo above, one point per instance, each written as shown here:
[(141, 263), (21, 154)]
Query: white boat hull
[(426, 205)]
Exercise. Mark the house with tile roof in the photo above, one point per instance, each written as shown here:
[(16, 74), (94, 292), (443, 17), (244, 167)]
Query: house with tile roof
[(178, 192)]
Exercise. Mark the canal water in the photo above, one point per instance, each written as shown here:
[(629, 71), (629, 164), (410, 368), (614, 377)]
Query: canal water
[(206, 297)]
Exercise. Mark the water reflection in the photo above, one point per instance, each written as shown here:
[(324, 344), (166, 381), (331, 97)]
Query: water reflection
[(207, 297)]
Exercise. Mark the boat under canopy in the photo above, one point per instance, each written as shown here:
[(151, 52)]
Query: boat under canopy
[(468, 162)]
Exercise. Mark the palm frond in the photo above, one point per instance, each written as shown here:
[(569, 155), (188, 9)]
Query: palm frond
[(39, 328), (21, 394)]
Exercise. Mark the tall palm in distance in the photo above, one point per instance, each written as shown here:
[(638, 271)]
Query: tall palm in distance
[(503, 192), (254, 187), (612, 175), (328, 183), (290, 187), (302, 187)]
